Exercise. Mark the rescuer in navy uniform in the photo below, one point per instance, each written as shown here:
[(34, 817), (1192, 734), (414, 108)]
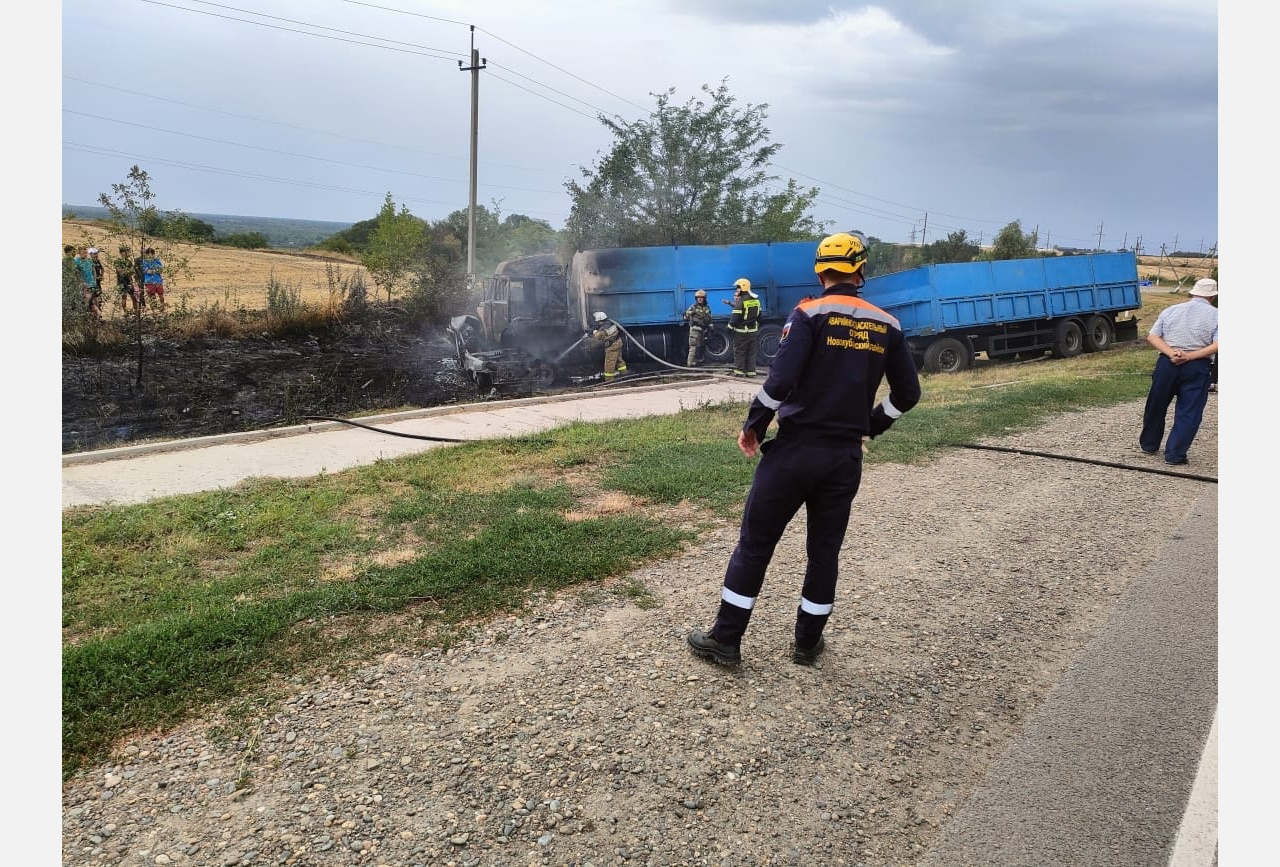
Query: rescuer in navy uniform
[(835, 350)]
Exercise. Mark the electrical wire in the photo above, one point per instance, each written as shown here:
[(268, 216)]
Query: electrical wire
[(298, 155)]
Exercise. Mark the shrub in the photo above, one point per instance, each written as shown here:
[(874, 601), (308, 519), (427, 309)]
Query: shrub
[(282, 299), (245, 241)]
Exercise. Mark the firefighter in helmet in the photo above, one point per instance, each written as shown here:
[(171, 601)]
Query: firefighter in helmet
[(745, 325), (608, 333), (699, 318)]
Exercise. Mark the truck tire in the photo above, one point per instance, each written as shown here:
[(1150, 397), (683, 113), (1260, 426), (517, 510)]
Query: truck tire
[(717, 348), (1068, 339), (947, 355), (1098, 333), (767, 346)]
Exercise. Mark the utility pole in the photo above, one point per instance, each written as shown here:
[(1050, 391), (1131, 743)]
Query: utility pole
[(1047, 234), (1125, 245), (1099, 245), (924, 230), (477, 64)]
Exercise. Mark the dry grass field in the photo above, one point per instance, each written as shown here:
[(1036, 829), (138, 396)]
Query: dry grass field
[(1168, 270), (225, 276)]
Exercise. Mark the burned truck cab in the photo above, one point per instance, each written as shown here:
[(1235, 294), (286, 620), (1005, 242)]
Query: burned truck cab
[(522, 320), (524, 300)]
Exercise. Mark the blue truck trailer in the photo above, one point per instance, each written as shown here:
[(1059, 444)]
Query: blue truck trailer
[(1061, 304), (528, 327)]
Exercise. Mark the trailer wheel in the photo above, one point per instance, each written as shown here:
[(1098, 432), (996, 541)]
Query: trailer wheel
[(545, 375), (767, 343), (717, 348), (1098, 333), (947, 355), (1068, 339)]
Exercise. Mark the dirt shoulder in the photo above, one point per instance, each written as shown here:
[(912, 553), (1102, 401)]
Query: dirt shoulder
[(582, 731)]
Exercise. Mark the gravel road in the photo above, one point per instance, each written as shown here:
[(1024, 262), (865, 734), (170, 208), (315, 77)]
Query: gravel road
[(583, 732)]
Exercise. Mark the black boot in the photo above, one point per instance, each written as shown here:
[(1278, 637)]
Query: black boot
[(807, 655), (704, 644)]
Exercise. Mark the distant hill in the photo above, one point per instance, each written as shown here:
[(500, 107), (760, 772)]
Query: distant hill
[(280, 232)]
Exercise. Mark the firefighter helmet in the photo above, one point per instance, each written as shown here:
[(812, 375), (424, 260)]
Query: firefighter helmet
[(701, 293), (742, 284), (845, 252), (599, 316)]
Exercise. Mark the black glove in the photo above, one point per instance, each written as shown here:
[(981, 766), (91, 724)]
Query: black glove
[(880, 421)]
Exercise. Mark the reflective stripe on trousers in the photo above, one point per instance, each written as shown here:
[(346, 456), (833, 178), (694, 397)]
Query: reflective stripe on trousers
[(825, 480)]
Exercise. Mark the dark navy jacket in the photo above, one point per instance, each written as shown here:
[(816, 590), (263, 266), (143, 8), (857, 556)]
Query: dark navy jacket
[(822, 384)]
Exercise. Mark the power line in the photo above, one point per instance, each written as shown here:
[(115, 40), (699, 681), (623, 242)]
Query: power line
[(505, 42), (101, 151), (390, 48), (150, 158), (297, 155), (323, 27), (294, 126), (497, 77), (552, 89), (451, 55)]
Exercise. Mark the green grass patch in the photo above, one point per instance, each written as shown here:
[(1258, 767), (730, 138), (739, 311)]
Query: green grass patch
[(178, 603)]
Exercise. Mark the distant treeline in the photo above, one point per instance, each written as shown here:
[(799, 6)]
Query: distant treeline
[(228, 230)]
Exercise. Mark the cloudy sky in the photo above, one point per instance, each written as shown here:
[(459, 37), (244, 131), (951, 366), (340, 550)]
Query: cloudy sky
[(1095, 122)]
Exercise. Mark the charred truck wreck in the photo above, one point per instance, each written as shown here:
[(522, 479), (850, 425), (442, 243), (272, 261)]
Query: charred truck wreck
[(533, 322)]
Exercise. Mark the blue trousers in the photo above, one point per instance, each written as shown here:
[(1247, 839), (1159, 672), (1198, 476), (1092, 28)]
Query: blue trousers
[(1187, 387), (824, 479)]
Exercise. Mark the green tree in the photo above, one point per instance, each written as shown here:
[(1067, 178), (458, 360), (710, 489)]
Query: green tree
[(393, 246), (1011, 243), (178, 226), (688, 174), (245, 240), (956, 247), (500, 238)]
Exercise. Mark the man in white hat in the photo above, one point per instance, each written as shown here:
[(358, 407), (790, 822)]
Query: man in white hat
[(1186, 335)]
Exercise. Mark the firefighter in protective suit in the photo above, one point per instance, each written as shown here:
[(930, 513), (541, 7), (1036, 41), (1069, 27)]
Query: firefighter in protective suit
[(608, 333), (822, 386), (699, 318), (744, 322)]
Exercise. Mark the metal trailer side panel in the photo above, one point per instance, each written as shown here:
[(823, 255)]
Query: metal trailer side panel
[(653, 286), (957, 296)]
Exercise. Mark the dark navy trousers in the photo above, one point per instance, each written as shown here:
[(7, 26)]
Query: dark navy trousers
[(1188, 385), (824, 479)]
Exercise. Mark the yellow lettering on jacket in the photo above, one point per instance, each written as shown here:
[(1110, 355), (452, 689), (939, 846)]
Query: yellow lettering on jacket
[(852, 343), (861, 324)]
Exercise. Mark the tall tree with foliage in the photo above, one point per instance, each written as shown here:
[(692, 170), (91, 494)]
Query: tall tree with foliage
[(1011, 243), (956, 247), (393, 245), (695, 173), (499, 238)]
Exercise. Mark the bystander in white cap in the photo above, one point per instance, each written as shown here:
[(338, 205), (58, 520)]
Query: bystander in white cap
[(93, 250), (1205, 288)]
